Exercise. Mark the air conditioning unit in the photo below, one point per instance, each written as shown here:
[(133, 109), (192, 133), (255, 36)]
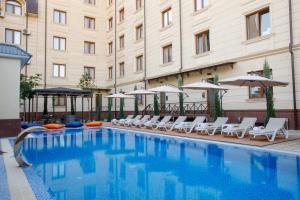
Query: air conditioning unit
[(26, 32)]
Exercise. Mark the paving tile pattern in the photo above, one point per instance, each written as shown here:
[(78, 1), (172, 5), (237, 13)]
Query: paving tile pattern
[(4, 193)]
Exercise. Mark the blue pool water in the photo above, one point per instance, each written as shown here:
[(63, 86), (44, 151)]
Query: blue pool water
[(111, 164)]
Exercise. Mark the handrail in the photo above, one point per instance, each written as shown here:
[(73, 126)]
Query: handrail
[(18, 144)]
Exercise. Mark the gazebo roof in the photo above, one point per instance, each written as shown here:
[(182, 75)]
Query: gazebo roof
[(62, 91)]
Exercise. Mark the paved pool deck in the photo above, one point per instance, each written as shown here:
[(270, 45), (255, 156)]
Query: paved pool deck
[(15, 184)]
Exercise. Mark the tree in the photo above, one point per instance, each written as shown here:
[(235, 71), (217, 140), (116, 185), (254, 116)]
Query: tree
[(217, 102), (109, 115), (27, 84), (72, 105), (156, 105), (86, 82), (269, 94), (181, 108), (121, 115), (136, 103), (99, 107)]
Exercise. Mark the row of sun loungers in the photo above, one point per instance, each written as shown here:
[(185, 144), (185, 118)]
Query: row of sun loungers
[(247, 126)]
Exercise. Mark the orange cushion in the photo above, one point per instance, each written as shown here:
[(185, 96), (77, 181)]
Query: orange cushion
[(93, 123), (54, 126)]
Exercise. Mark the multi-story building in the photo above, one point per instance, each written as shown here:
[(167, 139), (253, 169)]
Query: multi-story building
[(123, 44)]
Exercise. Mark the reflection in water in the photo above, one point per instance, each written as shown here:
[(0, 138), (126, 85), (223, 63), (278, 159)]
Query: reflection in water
[(115, 165)]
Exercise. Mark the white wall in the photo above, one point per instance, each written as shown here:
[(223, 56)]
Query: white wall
[(9, 88)]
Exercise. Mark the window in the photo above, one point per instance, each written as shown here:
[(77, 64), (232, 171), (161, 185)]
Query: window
[(59, 17), (110, 24), (258, 24), (89, 47), (121, 40), (110, 73), (139, 63), (12, 36), (138, 4), (110, 2), (110, 48), (89, 71), (257, 92), (139, 32), (122, 69), (202, 42), (13, 7), (58, 170), (121, 15), (200, 4), (59, 43), (59, 70), (89, 23), (167, 54), (59, 101), (92, 2), (167, 17)]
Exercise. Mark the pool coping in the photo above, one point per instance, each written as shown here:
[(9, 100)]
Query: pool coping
[(4, 192), (263, 148)]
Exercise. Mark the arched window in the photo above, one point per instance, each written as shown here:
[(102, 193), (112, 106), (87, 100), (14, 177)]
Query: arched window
[(13, 7)]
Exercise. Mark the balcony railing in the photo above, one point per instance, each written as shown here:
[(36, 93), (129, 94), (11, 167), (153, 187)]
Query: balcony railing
[(190, 108)]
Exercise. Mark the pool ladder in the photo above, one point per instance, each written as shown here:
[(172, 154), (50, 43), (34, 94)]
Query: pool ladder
[(18, 144)]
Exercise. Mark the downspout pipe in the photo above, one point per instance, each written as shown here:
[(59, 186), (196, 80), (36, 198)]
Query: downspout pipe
[(180, 38), (45, 53), (115, 56), (145, 54), (26, 36), (293, 64)]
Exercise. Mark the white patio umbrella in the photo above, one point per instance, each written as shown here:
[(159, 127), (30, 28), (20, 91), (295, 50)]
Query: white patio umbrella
[(140, 92), (204, 85), (119, 96), (252, 81), (166, 89)]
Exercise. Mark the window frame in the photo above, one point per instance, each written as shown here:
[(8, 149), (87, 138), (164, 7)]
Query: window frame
[(110, 48), (139, 32), (262, 91), (110, 73), (60, 12), (138, 4), (13, 36), (121, 15), (169, 48), (121, 42), (59, 104), (258, 15), (169, 19), (203, 35), (14, 4), (59, 43), (121, 69), (89, 48), (89, 20), (110, 24), (202, 5), (139, 63), (89, 69), (59, 70)]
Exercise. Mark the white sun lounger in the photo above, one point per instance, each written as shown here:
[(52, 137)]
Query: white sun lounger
[(130, 121), (141, 121), (211, 128), (188, 127), (150, 124), (154, 119), (169, 126), (275, 126), (116, 122), (239, 129)]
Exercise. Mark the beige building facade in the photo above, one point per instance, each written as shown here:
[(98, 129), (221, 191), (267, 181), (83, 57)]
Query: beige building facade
[(124, 44)]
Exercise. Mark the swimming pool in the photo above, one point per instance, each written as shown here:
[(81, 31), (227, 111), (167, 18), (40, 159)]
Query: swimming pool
[(114, 164)]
